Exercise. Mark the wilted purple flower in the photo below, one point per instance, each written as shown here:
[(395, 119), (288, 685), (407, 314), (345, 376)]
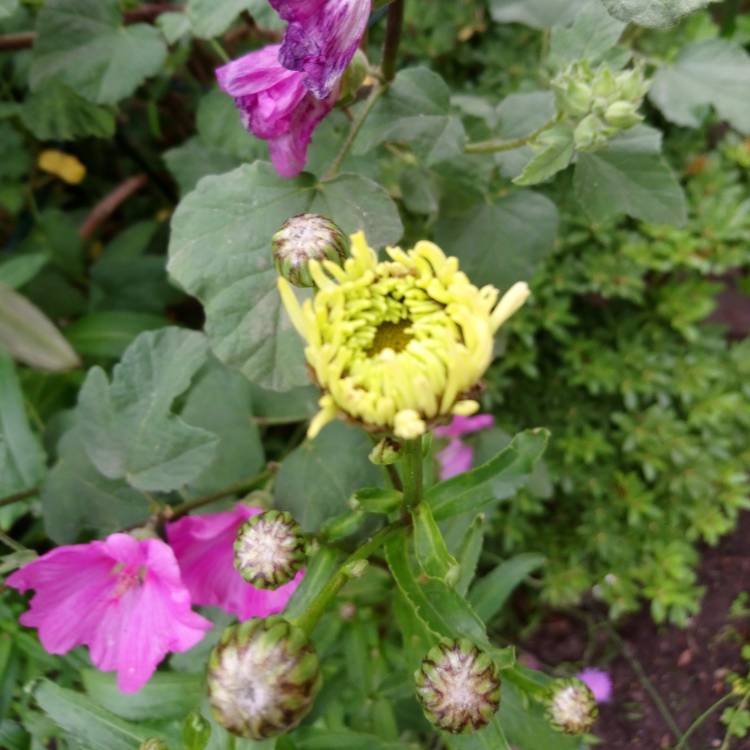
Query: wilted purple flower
[(275, 105), (598, 681), (321, 39), (458, 456)]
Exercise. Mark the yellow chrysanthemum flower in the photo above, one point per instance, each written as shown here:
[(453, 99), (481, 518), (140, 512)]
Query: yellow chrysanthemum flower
[(397, 345)]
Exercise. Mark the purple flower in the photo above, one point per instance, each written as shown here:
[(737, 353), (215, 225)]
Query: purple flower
[(599, 683), (275, 105), (204, 547), (123, 598), (321, 39), (458, 456)]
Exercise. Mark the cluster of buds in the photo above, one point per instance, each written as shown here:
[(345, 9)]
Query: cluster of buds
[(598, 102), (571, 706), (263, 677), (458, 686), (304, 238), (269, 549)]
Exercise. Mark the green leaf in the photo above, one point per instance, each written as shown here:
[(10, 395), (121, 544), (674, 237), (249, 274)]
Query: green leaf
[(501, 242), (296, 405), (108, 334), (127, 425), (376, 500), (54, 112), (713, 72), (653, 13), (444, 611), (317, 479), (498, 479), (76, 497), (221, 402), (220, 251), (429, 545), (173, 25), (22, 459), (416, 110), (85, 44), (209, 18), (15, 159), (29, 335), (17, 271), (469, 552), (539, 14), (630, 176), (591, 35), (344, 739), (196, 731), (12, 735), (492, 737), (192, 160), (8, 8), (93, 727), (318, 571), (555, 150), (489, 594), (167, 695)]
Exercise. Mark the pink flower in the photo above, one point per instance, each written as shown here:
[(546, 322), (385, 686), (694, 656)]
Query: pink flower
[(321, 39), (599, 683), (275, 105), (457, 456), (123, 598), (204, 546)]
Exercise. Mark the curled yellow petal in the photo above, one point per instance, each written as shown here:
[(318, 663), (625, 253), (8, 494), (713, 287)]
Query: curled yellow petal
[(65, 166), (511, 302)]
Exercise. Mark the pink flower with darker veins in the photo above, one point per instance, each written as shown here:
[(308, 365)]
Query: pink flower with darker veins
[(204, 546), (275, 105), (121, 597), (458, 456)]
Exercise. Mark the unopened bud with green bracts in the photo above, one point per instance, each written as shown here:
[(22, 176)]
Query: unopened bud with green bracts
[(571, 706), (263, 677), (458, 686), (269, 549), (353, 78), (304, 238)]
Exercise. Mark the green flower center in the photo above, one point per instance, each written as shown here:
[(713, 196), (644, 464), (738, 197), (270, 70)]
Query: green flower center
[(394, 336)]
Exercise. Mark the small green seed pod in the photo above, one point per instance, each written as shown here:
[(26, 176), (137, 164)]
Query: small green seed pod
[(269, 549), (571, 706), (458, 686), (304, 238), (263, 677)]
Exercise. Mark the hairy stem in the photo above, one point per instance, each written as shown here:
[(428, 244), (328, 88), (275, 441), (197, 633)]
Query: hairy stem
[(359, 121), (412, 473), (348, 569), (392, 39), (18, 496), (495, 145)]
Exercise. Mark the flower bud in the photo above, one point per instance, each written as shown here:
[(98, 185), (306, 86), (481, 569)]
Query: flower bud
[(353, 78), (269, 549), (263, 677), (458, 686), (571, 706), (386, 452), (589, 133), (304, 238), (622, 115), (153, 744), (576, 99)]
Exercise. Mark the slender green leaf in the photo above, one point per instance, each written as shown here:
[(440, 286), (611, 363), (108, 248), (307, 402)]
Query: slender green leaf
[(469, 552), (429, 545), (498, 479), (16, 271), (127, 425), (29, 335), (318, 572), (376, 500), (489, 594)]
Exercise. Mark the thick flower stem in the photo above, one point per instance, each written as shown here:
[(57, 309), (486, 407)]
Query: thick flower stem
[(412, 473), (350, 568), (392, 39), (496, 146)]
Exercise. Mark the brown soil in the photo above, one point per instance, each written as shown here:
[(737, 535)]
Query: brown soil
[(686, 667)]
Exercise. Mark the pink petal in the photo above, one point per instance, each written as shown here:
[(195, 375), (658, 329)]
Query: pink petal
[(204, 547), (455, 458), (464, 425), (599, 683)]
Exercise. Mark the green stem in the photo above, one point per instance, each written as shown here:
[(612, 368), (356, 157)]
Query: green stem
[(348, 569), (244, 486), (219, 50), (18, 496), (393, 31), (11, 543), (495, 145), (728, 736), (359, 121), (697, 723), (412, 473)]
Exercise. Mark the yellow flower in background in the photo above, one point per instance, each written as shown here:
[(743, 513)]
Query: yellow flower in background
[(62, 165), (397, 345)]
